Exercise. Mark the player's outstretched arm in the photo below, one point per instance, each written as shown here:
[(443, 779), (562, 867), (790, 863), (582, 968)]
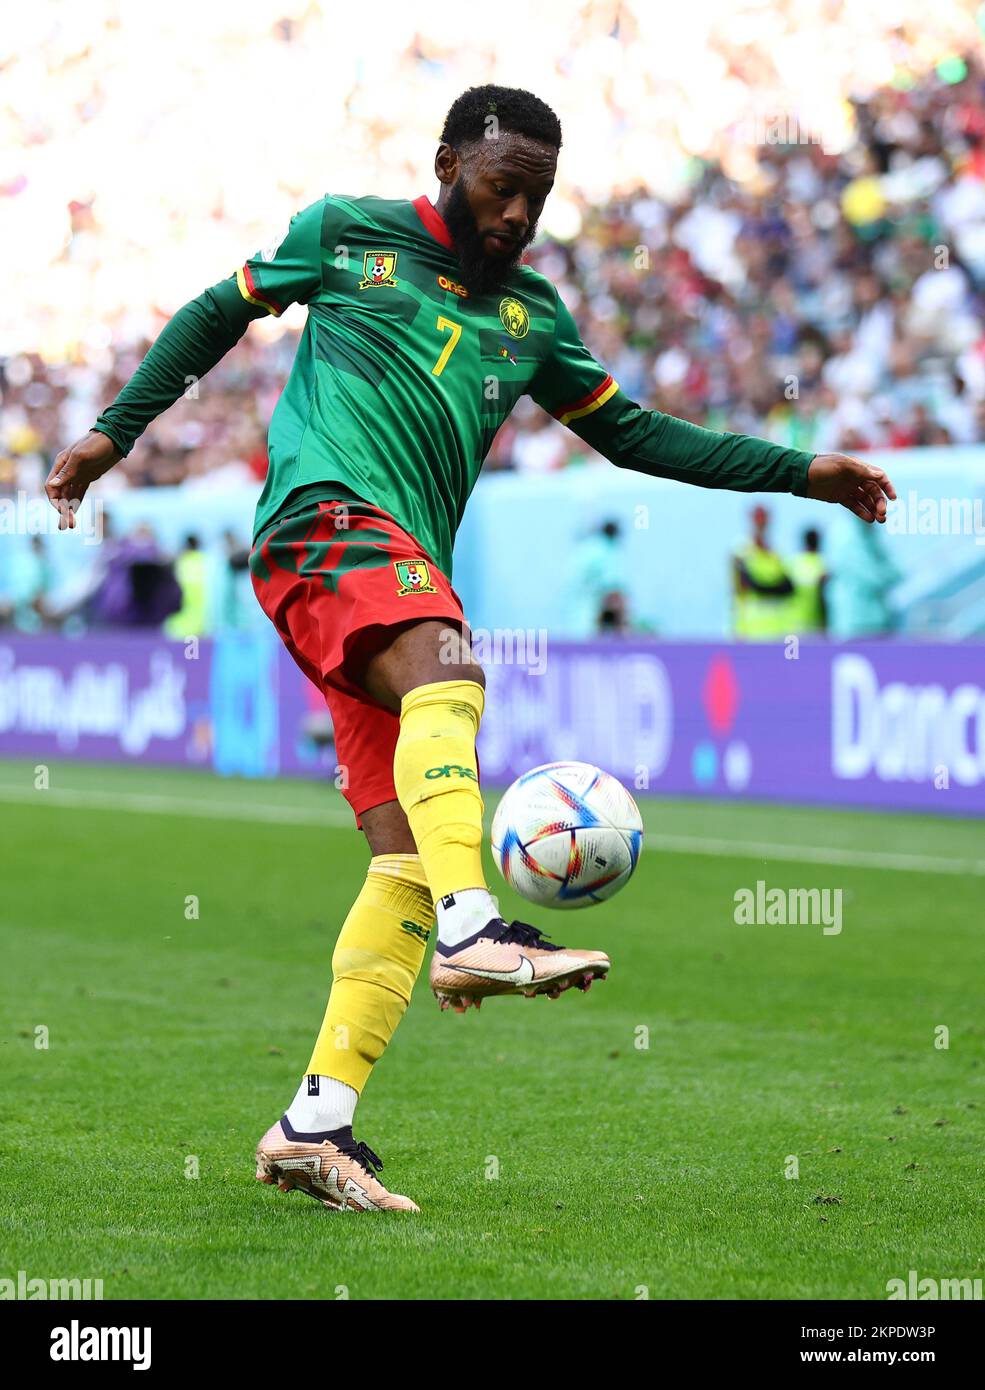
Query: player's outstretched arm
[(189, 346), (666, 447), (573, 387)]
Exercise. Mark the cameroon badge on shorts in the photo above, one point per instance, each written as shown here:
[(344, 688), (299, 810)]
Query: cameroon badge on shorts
[(414, 576)]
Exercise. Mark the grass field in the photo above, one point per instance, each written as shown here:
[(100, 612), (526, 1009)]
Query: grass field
[(620, 1167)]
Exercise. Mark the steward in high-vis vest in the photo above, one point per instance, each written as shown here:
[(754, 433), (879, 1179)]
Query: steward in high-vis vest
[(762, 587), (808, 574), (191, 572)]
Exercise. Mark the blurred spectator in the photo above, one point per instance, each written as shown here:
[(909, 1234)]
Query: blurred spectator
[(237, 607), (191, 572), (761, 586), (139, 588), (862, 576), (807, 611), (599, 589), (24, 586), (539, 447)]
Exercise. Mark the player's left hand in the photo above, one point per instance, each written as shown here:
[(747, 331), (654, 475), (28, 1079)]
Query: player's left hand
[(861, 487)]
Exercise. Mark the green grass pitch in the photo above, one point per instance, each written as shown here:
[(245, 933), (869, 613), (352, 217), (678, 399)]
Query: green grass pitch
[(623, 1171)]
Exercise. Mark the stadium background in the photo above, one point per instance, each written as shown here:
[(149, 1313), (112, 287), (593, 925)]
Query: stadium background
[(769, 218)]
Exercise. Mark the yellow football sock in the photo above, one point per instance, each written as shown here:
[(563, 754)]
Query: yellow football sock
[(377, 959), (437, 781)]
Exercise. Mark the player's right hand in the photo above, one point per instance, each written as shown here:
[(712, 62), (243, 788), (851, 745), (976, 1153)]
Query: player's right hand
[(74, 469)]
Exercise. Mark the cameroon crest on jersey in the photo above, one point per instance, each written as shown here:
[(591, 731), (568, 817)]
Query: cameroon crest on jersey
[(414, 576), (378, 268)]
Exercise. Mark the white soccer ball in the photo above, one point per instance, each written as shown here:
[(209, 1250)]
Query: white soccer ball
[(567, 835)]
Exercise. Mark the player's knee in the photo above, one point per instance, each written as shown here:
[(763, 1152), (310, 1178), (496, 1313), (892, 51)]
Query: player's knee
[(445, 653), (467, 671), (452, 658)]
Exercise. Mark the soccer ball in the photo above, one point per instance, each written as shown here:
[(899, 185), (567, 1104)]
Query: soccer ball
[(567, 835)]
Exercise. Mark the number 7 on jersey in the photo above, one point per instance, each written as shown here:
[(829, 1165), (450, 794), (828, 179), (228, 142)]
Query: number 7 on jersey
[(455, 329)]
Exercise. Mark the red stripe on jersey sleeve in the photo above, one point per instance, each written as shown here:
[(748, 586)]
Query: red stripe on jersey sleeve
[(258, 294), (600, 390)]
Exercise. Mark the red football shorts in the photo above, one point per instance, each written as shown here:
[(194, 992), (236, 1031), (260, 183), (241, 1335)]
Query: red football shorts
[(335, 578)]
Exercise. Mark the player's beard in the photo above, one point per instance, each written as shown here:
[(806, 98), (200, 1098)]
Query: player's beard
[(481, 273)]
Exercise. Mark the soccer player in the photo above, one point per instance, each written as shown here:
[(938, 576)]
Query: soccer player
[(424, 328)]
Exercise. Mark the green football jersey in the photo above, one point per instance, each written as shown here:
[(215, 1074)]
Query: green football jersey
[(402, 377)]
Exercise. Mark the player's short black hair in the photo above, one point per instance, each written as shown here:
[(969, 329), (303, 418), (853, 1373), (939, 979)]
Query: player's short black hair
[(515, 110)]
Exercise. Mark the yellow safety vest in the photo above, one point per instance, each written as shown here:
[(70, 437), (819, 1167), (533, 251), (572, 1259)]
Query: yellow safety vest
[(761, 617), (192, 617), (806, 571)]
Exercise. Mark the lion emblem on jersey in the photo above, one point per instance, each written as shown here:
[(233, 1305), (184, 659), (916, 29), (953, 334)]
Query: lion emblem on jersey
[(514, 318), (378, 268)]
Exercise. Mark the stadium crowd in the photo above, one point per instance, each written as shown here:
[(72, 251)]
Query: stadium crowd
[(836, 304), (829, 298), (833, 303)]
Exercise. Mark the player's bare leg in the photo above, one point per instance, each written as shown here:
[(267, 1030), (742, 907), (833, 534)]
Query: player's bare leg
[(387, 830), (430, 678)]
